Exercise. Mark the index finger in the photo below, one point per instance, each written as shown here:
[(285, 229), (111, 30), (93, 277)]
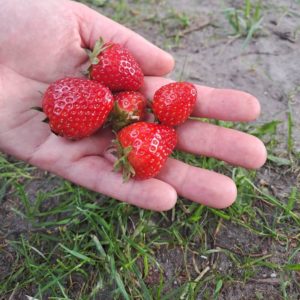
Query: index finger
[(221, 104)]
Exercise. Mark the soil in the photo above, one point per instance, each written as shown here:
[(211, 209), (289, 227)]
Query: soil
[(267, 68)]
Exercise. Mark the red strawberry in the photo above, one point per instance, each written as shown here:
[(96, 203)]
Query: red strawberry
[(129, 107), (173, 103), (115, 67), (144, 148), (76, 107)]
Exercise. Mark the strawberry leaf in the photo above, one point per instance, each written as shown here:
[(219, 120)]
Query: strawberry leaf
[(122, 164)]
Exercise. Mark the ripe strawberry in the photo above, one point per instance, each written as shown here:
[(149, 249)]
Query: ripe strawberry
[(143, 149), (173, 103), (115, 67), (76, 107), (129, 107)]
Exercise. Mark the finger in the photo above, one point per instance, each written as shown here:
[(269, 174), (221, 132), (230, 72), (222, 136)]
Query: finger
[(230, 145), (199, 185), (221, 104), (152, 59), (95, 173)]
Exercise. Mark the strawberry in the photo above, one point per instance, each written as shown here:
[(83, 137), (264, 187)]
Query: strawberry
[(76, 107), (115, 67), (173, 103), (129, 107), (143, 149)]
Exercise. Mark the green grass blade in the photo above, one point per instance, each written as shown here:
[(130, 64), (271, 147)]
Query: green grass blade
[(290, 141), (247, 8), (257, 12), (292, 267), (76, 254), (293, 198), (279, 161), (218, 289), (118, 279), (254, 28)]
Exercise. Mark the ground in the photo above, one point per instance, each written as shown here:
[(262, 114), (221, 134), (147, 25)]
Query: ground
[(60, 241)]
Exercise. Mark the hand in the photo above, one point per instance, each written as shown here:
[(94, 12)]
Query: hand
[(42, 41)]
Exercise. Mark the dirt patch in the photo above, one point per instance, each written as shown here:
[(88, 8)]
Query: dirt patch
[(251, 291), (177, 266)]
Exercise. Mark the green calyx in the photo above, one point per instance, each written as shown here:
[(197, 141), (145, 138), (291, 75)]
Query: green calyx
[(99, 47), (122, 164), (121, 118)]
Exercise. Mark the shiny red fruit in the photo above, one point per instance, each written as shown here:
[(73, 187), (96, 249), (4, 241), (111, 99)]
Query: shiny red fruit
[(145, 148), (129, 107), (173, 103), (115, 67), (76, 107)]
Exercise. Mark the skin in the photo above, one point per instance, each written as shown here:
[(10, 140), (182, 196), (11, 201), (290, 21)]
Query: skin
[(42, 41)]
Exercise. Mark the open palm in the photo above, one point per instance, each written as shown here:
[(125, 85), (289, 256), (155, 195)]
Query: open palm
[(42, 41)]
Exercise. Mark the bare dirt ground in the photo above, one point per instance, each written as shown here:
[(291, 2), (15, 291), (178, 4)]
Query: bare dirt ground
[(269, 68)]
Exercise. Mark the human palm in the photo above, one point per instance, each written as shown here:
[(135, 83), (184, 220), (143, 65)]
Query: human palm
[(42, 41)]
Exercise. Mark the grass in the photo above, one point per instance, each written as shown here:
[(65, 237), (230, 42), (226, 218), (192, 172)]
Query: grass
[(82, 245), (245, 21), (71, 243)]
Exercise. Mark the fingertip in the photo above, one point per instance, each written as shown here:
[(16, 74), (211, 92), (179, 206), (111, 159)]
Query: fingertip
[(167, 202), (169, 63), (226, 104), (229, 194), (161, 65), (253, 107), (152, 194), (254, 153), (260, 154)]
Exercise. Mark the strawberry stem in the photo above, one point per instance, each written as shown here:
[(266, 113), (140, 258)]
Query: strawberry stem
[(122, 163), (120, 118), (99, 47)]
